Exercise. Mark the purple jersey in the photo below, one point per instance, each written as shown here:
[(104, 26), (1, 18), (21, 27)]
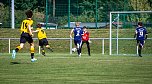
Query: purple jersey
[(141, 32), (78, 31)]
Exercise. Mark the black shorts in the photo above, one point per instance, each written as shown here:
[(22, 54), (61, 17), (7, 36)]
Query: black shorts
[(26, 37), (43, 42), (140, 42)]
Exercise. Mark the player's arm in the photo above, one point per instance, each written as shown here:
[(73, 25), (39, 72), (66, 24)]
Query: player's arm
[(71, 33), (146, 35), (30, 29), (89, 37), (135, 34), (35, 31), (88, 34), (82, 33)]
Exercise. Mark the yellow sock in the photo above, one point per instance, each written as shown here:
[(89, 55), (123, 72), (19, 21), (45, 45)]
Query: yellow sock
[(18, 48), (32, 50)]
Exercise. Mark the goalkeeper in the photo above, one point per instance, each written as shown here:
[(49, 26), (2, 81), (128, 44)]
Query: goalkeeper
[(42, 39), (85, 39)]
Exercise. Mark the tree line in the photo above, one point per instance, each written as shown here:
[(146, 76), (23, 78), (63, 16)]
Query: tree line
[(80, 10)]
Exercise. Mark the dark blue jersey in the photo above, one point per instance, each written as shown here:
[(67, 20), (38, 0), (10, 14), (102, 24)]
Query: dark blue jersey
[(78, 31), (141, 32)]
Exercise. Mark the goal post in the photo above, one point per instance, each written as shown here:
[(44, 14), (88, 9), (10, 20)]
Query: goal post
[(116, 19)]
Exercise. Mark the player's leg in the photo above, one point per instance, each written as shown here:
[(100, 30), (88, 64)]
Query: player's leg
[(139, 50), (47, 45), (16, 50), (80, 47), (43, 51), (79, 44), (138, 47), (141, 44), (88, 46), (41, 44), (32, 50), (22, 41)]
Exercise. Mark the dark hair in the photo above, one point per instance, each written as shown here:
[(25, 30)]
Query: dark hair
[(84, 27), (140, 23), (39, 25), (29, 14)]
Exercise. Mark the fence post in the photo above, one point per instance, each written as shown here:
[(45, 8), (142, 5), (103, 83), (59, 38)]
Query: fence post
[(69, 13), (110, 35), (13, 17), (70, 45), (96, 24), (137, 50), (39, 50), (46, 14), (103, 46), (9, 49)]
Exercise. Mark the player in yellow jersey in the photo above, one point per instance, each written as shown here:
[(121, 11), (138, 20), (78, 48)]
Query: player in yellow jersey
[(26, 35), (42, 39)]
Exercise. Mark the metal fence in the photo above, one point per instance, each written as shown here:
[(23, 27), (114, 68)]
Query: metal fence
[(126, 46), (7, 44)]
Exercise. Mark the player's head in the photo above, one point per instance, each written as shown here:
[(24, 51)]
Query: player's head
[(84, 28), (29, 14), (39, 25), (140, 24), (77, 24)]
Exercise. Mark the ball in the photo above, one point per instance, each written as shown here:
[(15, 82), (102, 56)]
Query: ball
[(74, 49)]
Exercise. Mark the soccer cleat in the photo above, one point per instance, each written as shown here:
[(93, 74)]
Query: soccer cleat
[(13, 54), (51, 49), (140, 56), (79, 55), (33, 60), (43, 53)]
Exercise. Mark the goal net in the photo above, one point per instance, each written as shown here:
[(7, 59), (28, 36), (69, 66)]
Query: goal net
[(122, 29)]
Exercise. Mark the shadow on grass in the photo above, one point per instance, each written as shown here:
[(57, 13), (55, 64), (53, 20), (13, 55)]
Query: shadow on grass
[(12, 63)]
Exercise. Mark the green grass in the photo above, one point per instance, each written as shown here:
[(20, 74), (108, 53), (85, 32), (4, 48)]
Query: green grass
[(69, 69), (58, 33)]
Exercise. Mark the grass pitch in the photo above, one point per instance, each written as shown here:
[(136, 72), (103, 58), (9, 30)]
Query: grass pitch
[(70, 69)]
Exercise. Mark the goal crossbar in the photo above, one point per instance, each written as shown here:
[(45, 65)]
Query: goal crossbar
[(121, 12)]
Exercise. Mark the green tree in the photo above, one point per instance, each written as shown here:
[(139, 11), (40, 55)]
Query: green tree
[(141, 5), (25, 4), (4, 15)]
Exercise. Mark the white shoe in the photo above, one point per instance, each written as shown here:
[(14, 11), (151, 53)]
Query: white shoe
[(13, 54), (79, 55), (33, 60)]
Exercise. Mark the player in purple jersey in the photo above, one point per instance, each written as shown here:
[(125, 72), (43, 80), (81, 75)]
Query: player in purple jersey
[(78, 31), (141, 36)]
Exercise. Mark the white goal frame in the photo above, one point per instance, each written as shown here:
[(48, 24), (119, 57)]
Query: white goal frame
[(110, 30)]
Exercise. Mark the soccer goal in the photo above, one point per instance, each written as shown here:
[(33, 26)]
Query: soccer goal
[(122, 29)]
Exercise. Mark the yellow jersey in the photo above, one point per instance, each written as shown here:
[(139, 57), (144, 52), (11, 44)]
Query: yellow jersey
[(24, 26), (41, 33)]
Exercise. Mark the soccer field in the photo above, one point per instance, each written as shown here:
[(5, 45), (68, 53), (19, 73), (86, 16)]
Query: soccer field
[(70, 69)]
